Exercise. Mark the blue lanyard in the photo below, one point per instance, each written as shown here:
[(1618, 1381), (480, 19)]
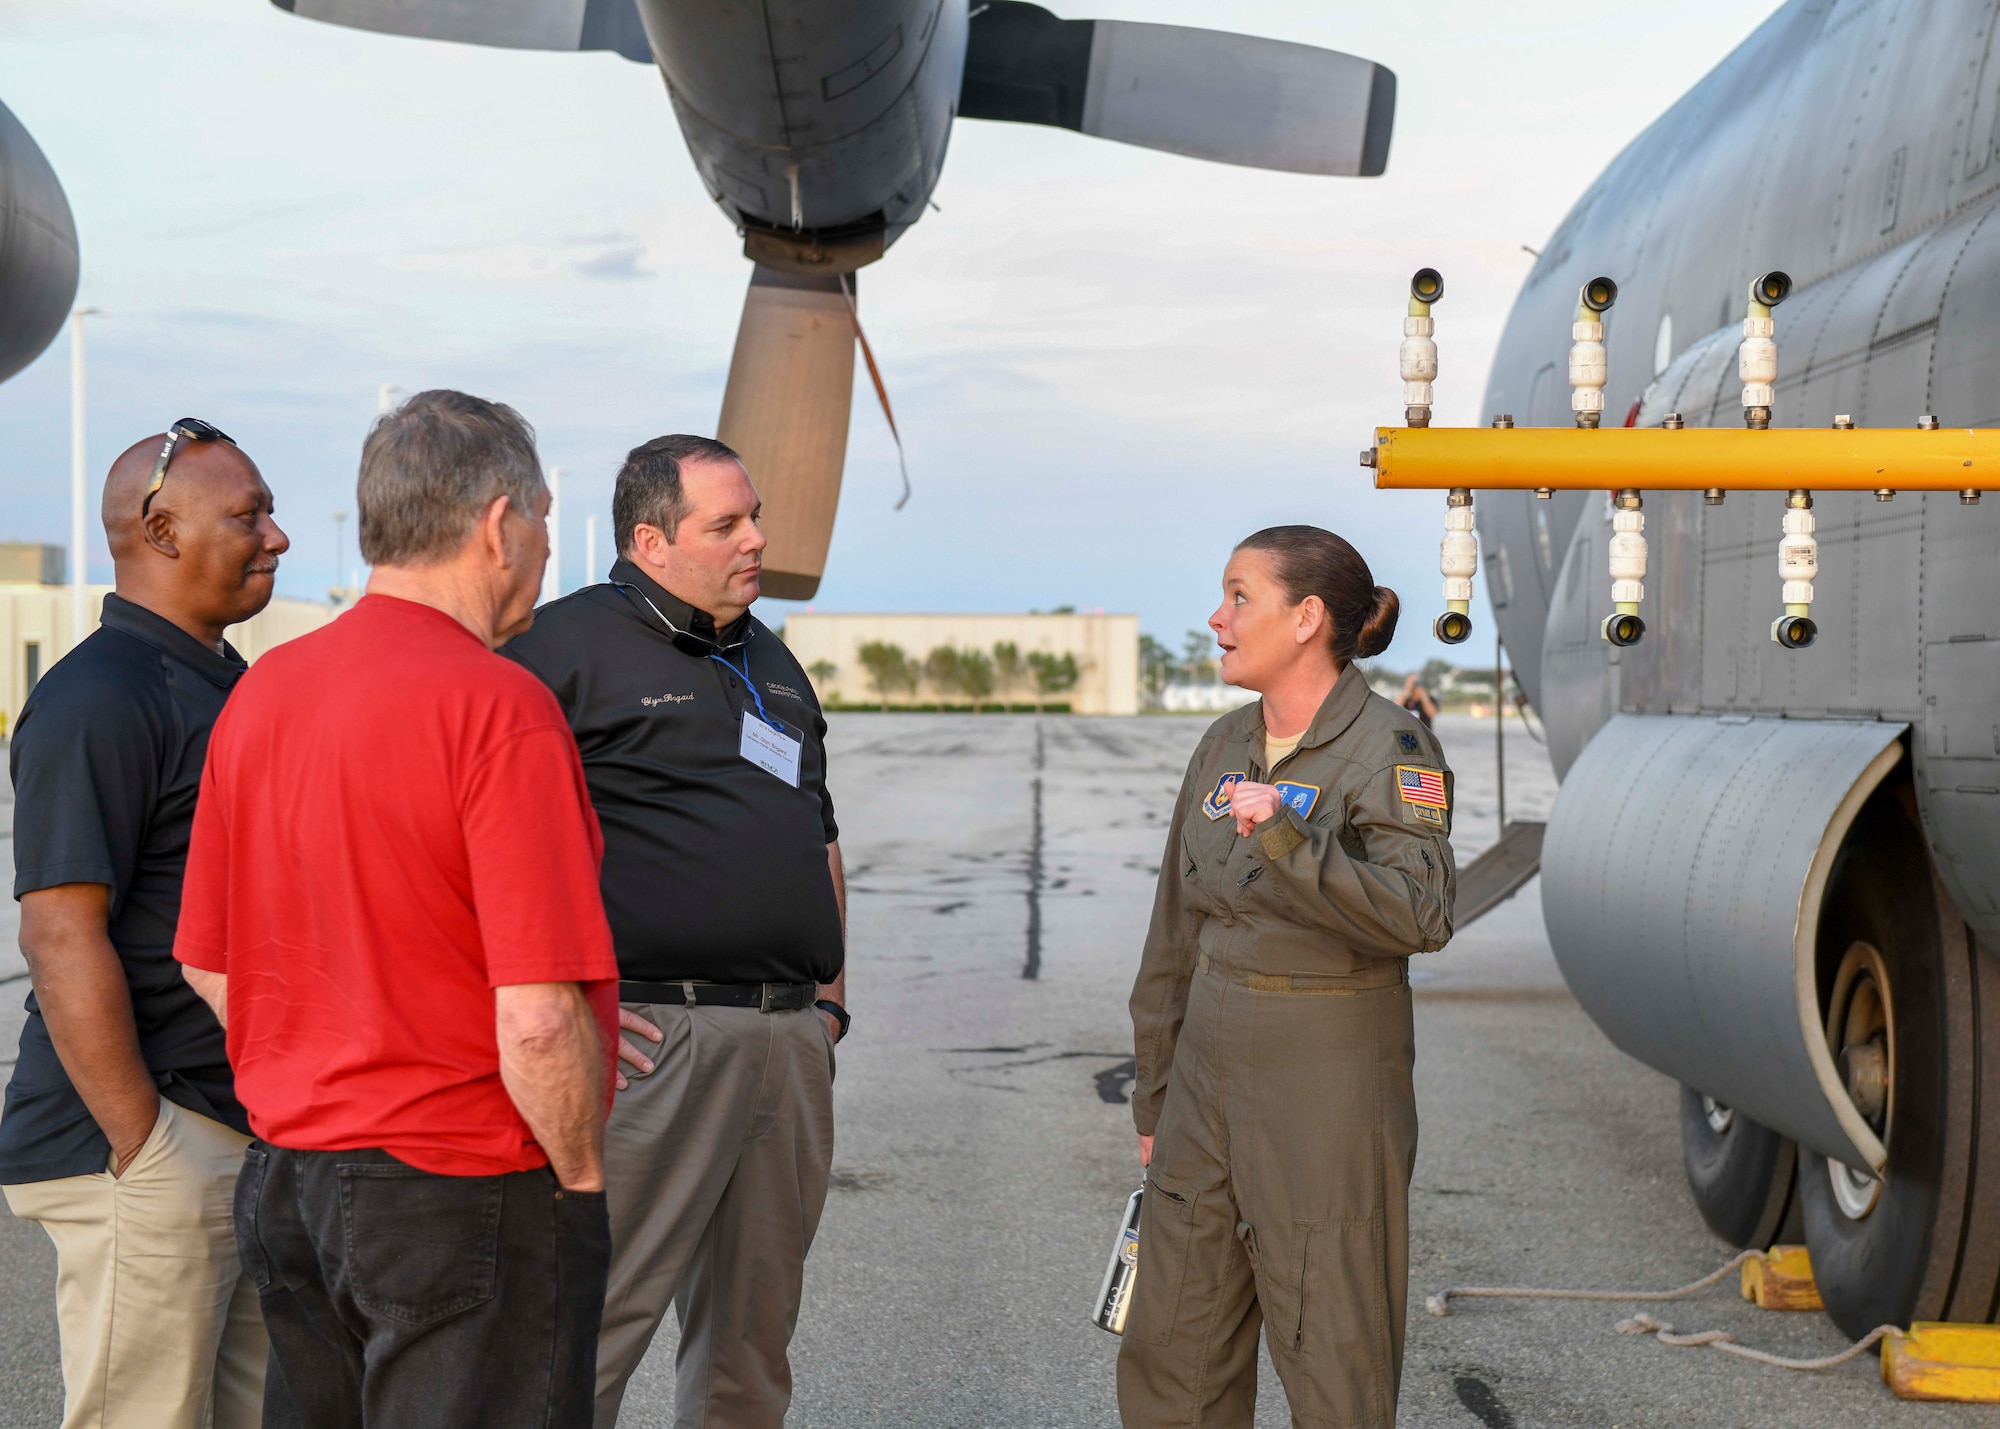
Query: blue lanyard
[(748, 684)]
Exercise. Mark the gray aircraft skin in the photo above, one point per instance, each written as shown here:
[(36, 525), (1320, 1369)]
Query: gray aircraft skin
[(1772, 873)]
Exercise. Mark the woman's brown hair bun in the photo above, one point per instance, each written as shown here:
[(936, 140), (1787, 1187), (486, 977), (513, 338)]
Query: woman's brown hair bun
[(1380, 626), (1361, 616)]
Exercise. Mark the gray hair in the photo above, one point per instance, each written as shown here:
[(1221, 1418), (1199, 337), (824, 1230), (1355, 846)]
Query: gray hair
[(649, 491), (429, 468)]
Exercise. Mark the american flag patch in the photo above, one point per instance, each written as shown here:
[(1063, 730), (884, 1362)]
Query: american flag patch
[(1420, 786)]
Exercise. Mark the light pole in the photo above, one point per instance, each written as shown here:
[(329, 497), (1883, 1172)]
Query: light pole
[(340, 592), (589, 550), (552, 572), (78, 476), (385, 398)]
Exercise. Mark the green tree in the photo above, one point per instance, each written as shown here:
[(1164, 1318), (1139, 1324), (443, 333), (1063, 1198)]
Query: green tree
[(1053, 674), (941, 668), (975, 676), (822, 671), (1200, 665), (1156, 667), (887, 666), (1008, 668)]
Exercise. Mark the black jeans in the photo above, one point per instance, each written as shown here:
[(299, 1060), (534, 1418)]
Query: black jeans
[(407, 1300)]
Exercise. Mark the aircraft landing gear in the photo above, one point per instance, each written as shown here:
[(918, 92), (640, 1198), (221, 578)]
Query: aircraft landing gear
[(1742, 1174), (1905, 999)]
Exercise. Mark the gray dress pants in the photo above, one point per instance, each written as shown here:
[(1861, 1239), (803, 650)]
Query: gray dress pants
[(716, 1168)]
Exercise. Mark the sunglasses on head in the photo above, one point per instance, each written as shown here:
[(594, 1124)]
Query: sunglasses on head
[(195, 430)]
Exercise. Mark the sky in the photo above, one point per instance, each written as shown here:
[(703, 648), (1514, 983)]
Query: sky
[(1109, 365)]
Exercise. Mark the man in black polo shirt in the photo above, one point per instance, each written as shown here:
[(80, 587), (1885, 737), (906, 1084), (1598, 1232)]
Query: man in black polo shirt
[(122, 1135), (706, 759)]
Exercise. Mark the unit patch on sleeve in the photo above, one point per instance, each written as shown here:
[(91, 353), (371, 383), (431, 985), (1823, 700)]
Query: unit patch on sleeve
[(1216, 805), (1423, 793), (1298, 797)]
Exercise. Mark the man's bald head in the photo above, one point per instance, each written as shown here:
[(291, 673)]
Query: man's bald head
[(207, 547), (197, 470)]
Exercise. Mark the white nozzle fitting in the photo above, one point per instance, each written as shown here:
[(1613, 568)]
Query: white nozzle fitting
[(1417, 363), (1586, 367), (1628, 558), (1458, 556), (1757, 359), (1798, 556)]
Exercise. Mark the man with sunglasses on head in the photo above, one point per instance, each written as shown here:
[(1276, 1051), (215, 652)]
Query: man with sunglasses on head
[(705, 754), (122, 1135)]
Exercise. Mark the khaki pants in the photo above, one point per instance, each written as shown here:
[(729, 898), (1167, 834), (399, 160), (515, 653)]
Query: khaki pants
[(160, 1327), (1278, 1196), (715, 1169)]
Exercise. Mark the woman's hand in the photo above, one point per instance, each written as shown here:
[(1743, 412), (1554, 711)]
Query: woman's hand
[(1145, 1151), (633, 1022), (1252, 804)]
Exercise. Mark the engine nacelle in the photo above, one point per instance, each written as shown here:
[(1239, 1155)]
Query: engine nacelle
[(38, 258)]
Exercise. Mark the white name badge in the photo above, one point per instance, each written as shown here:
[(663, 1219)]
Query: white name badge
[(770, 749)]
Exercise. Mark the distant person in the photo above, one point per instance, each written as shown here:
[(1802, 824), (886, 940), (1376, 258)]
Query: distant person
[(1308, 858), (123, 1136), (392, 905), (706, 755), (1417, 700)]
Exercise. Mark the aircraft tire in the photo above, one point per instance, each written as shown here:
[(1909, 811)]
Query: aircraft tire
[(1741, 1173), (1887, 1251)]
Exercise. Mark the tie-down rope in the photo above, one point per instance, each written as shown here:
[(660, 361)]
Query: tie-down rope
[(1644, 1324)]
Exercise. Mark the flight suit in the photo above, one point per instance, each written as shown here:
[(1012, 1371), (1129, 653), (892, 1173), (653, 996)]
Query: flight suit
[(1274, 1051)]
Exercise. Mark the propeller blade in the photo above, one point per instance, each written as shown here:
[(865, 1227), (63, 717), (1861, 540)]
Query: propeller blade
[(38, 261), (505, 24), (1209, 94), (791, 386)]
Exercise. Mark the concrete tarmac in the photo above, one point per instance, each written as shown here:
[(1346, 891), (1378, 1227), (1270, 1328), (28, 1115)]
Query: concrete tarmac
[(1001, 871)]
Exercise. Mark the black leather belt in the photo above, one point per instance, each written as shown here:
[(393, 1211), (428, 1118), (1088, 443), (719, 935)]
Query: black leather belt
[(764, 996)]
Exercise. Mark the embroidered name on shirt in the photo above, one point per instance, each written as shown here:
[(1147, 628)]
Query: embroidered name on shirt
[(650, 700), (778, 689)]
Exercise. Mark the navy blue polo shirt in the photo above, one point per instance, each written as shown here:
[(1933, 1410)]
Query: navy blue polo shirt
[(107, 760)]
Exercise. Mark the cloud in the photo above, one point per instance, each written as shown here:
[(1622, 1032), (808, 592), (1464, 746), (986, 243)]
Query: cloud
[(615, 263)]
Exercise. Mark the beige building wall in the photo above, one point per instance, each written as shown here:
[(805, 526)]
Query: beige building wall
[(1106, 648), (35, 633)]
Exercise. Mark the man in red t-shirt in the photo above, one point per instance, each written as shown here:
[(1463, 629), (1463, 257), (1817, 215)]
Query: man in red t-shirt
[(392, 903)]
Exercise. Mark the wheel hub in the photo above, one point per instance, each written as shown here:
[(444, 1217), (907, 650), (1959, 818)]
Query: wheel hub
[(1861, 1033), (1720, 1117)]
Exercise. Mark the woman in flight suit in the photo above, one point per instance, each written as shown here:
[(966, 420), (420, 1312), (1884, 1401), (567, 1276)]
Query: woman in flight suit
[(1309, 856)]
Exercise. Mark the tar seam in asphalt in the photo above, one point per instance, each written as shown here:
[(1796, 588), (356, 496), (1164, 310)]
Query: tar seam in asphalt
[(1032, 968)]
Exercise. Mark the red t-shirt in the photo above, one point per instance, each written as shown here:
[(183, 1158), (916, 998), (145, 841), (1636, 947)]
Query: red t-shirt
[(392, 823)]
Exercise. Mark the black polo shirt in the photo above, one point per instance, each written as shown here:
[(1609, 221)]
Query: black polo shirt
[(714, 869), (107, 761)]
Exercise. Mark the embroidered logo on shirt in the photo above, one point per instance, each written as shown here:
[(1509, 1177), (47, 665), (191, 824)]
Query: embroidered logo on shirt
[(1216, 805), (651, 700), (1298, 797), (1421, 786), (1422, 791), (1408, 740)]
